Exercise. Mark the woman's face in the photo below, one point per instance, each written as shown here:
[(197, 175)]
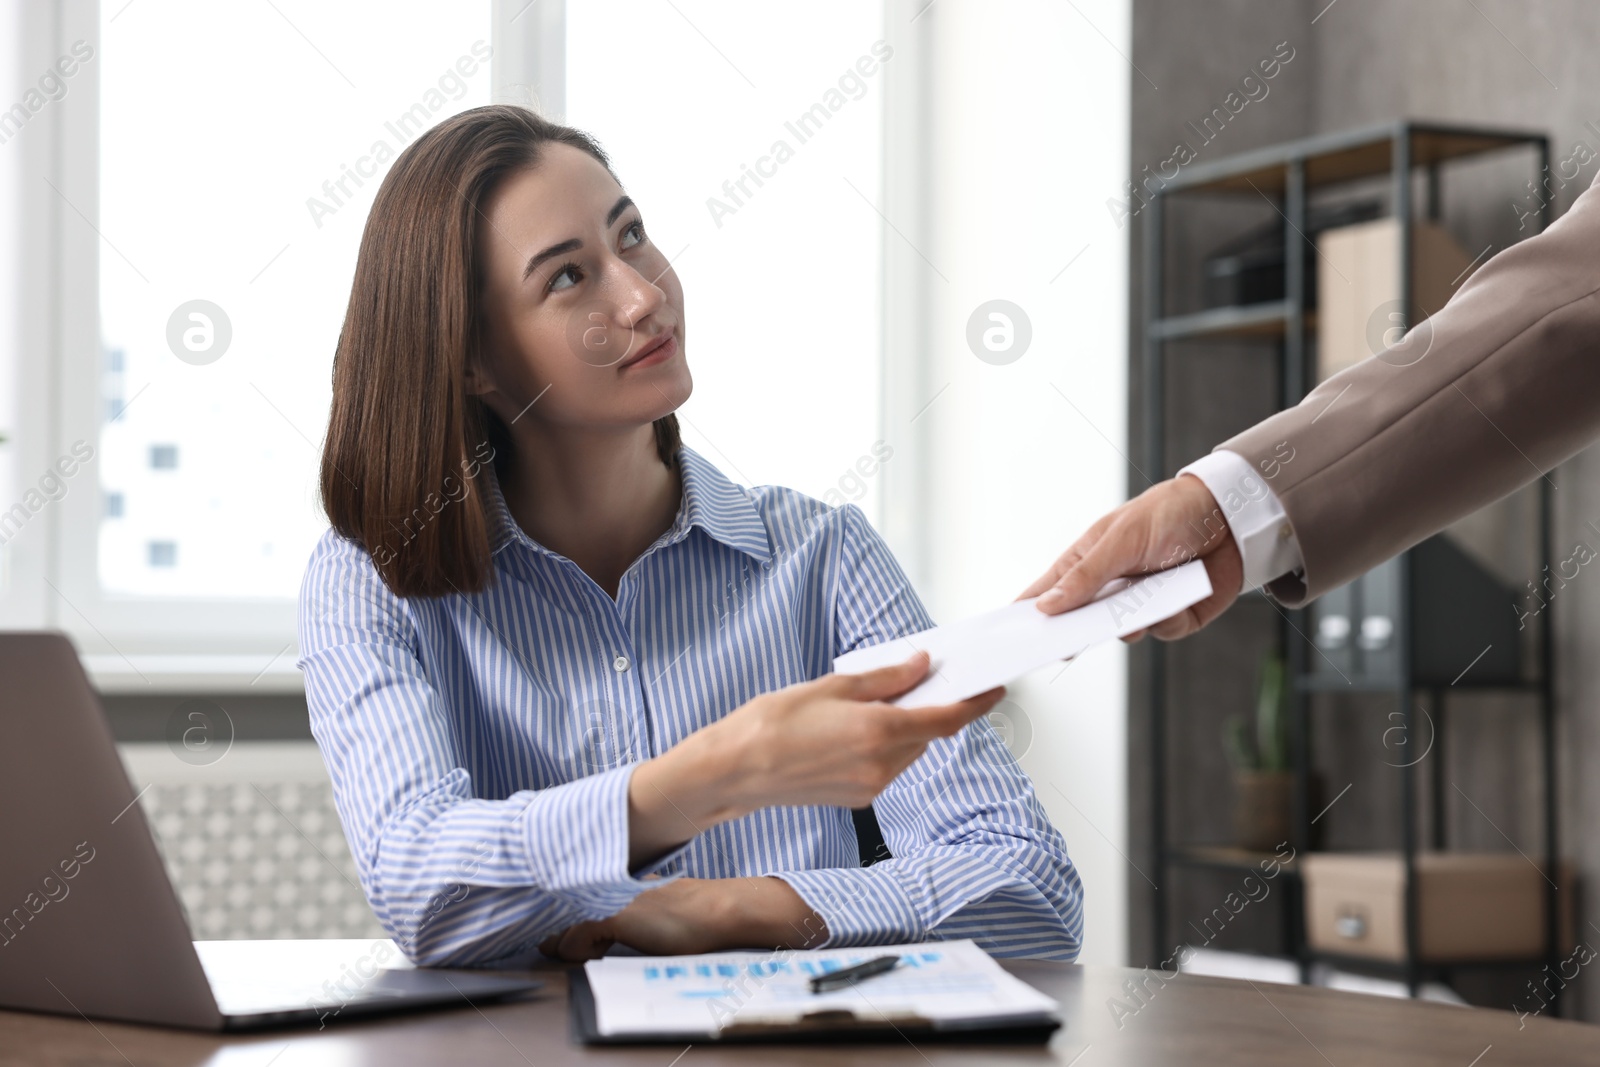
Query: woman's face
[(584, 316)]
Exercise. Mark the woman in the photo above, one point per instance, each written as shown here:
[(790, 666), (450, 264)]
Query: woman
[(569, 680)]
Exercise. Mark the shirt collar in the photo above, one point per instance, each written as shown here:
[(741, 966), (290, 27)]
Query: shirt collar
[(719, 506)]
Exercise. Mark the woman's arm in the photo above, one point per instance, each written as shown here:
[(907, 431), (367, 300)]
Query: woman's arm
[(693, 915), (974, 854), (460, 879), (454, 878)]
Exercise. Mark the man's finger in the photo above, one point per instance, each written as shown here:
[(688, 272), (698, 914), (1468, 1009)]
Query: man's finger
[(1074, 554), (1051, 576), (1225, 568), (1196, 617), (1117, 553), (1182, 624), (1071, 557)]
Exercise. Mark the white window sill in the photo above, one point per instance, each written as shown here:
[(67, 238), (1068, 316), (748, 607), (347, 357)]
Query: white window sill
[(119, 675), (153, 763)]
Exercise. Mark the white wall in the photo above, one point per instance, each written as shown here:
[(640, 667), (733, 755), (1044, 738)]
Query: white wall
[(1029, 127), (11, 81), (1006, 128)]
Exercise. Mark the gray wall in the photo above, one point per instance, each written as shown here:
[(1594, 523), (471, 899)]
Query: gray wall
[(1515, 63)]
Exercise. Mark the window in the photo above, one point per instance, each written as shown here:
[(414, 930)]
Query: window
[(205, 173), (220, 307), (759, 176), (112, 384), (18, 552)]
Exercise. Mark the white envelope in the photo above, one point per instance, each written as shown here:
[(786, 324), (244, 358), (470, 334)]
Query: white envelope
[(977, 654)]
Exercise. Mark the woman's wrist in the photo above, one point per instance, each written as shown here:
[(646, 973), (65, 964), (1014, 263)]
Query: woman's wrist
[(767, 912), (685, 916), (684, 791)]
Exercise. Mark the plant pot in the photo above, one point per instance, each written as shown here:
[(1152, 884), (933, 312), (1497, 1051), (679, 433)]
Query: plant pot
[(1263, 804)]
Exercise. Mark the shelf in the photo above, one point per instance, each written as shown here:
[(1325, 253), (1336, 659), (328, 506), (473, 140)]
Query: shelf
[(1265, 321), (1292, 178), (250, 673), (1225, 857), (1398, 967), (1321, 682), (1342, 157)]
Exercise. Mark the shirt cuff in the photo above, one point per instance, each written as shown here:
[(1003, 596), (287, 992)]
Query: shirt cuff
[(1255, 515), (860, 905), (577, 839)]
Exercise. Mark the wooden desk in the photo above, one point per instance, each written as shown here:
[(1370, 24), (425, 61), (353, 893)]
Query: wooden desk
[(1188, 1021)]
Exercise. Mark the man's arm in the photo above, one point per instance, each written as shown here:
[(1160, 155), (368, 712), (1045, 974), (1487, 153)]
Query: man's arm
[(1268, 548), (1499, 386)]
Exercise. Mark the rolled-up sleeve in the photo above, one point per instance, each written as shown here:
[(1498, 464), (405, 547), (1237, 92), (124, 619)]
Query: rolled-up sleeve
[(454, 878), (973, 852)]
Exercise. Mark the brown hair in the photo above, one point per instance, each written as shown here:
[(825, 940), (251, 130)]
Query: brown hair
[(405, 441)]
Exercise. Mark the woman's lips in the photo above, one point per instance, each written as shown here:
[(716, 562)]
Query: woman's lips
[(660, 353)]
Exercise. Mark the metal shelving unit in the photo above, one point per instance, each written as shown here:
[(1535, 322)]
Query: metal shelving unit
[(1285, 175)]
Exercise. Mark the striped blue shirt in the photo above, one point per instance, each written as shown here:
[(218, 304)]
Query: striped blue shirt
[(480, 745)]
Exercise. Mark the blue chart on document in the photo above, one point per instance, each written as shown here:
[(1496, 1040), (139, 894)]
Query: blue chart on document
[(942, 982)]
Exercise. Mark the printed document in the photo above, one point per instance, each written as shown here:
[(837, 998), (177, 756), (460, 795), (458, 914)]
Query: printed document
[(947, 983)]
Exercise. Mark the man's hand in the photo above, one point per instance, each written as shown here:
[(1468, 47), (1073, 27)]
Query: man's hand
[(687, 916), (1170, 523)]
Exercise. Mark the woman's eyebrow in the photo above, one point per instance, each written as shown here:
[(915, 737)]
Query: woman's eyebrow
[(573, 244)]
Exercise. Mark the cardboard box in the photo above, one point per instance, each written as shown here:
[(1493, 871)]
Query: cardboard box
[(1358, 287), (1470, 905)]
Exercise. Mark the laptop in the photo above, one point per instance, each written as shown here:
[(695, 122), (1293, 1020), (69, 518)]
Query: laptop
[(89, 922)]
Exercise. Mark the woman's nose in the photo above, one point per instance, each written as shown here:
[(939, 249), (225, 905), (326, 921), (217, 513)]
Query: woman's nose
[(637, 296)]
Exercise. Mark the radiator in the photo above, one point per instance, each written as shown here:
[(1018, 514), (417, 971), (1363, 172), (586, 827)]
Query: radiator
[(252, 842)]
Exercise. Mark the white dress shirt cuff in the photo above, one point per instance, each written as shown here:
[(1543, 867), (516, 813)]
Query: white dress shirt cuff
[(1260, 526), (577, 838), (858, 905)]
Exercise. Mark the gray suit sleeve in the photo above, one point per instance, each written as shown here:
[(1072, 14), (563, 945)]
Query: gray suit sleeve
[(1496, 388)]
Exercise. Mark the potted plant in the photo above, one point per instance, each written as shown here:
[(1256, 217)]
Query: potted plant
[(1263, 784)]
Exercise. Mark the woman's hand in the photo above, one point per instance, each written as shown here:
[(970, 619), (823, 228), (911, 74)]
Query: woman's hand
[(688, 916), (832, 741)]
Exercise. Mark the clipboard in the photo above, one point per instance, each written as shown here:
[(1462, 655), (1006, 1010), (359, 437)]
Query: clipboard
[(836, 1027)]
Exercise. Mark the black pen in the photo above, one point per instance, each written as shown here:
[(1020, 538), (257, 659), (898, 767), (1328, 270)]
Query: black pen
[(825, 983)]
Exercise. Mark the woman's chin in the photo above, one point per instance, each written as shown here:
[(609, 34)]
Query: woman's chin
[(670, 391)]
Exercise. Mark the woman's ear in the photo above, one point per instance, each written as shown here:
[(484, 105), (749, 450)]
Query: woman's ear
[(477, 378)]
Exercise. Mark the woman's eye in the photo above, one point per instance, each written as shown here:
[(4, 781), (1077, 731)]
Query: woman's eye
[(568, 271), (570, 274)]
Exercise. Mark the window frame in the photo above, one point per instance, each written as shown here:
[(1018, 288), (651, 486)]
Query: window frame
[(129, 643), (143, 644)]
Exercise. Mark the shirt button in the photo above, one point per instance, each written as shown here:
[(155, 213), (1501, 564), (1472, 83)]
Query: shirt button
[(619, 664), (1284, 532)]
